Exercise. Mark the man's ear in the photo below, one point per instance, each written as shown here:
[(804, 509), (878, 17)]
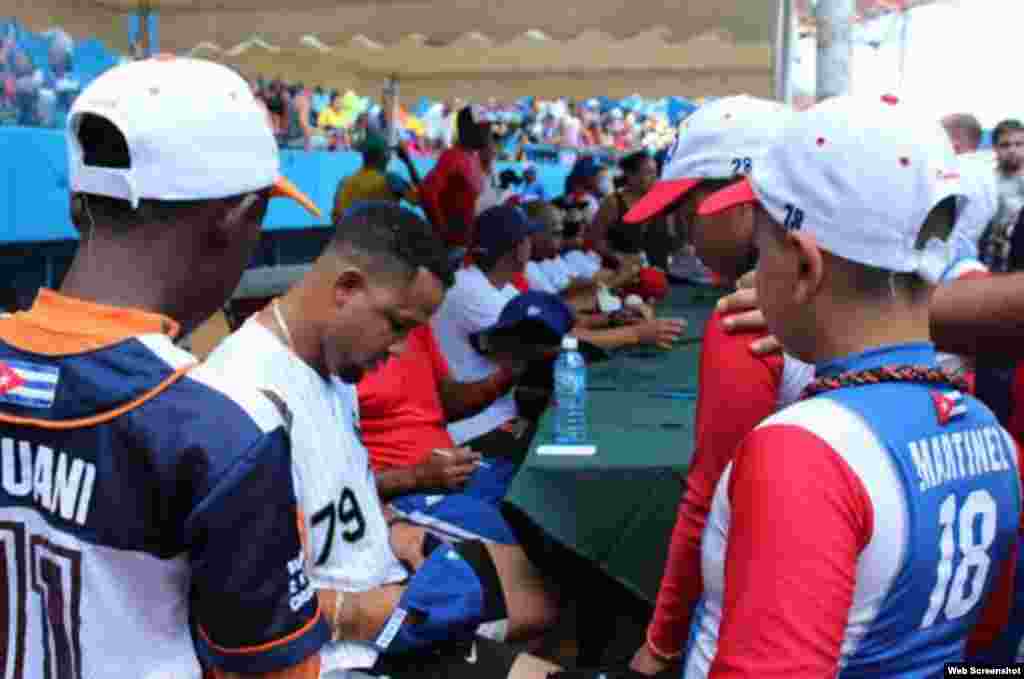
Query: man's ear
[(349, 282), (810, 266), (229, 219)]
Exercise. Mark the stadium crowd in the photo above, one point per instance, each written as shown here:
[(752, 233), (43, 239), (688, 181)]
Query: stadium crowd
[(321, 494), (39, 82), (312, 118)]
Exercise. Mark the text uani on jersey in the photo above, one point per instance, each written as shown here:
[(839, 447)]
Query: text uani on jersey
[(960, 454), (56, 481)]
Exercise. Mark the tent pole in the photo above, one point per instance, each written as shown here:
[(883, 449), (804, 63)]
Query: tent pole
[(785, 36), (144, 10), (834, 20), (904, 43)]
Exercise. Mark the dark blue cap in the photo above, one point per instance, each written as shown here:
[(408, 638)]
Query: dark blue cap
[(501, 228), (545, 310), (539, 318)]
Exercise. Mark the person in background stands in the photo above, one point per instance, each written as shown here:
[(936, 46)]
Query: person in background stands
[(1008, 139), (492, 191), (583, 186), (965, 132), (533, 188), (27, 81), (450, 190), (277, 103), (333, 121), (373, 182), (302, 131)]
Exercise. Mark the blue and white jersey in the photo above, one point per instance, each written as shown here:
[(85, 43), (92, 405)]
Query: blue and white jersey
[(130, 541), (858, 533)]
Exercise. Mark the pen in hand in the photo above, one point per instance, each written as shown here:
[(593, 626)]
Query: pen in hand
[(445, 453)]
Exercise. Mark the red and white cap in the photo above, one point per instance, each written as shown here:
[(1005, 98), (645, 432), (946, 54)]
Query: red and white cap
[(721, 140), (862, 176), (194, 131)]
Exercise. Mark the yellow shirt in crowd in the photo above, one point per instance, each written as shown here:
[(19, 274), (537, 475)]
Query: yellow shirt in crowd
[(366, 185), (331, 118)]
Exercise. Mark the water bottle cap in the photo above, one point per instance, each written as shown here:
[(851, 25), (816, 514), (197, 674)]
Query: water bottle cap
[(570, 343)]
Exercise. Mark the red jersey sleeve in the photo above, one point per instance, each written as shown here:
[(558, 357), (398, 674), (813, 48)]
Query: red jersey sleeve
[(798, 523), (732, 380)]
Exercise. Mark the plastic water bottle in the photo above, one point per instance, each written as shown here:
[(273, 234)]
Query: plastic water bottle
[(570, 394)]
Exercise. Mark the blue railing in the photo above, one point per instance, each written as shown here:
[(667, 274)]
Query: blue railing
[(34, 185)]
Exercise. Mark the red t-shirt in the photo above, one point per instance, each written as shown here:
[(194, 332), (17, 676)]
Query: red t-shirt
[(731, 380), (400, 409), (449, 193), (520, 283)]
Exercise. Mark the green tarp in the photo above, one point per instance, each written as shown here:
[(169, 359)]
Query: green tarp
[(617, 507)]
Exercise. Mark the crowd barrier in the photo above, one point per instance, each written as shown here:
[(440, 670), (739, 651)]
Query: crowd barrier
[(34, 185)]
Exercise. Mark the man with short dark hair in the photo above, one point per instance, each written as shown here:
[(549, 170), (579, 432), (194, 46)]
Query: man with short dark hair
[(473, 304), (400, 604), (1008, 140), (132, 512)]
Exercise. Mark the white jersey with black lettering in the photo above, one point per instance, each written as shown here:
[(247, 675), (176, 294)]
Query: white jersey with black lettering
[(348, 541)]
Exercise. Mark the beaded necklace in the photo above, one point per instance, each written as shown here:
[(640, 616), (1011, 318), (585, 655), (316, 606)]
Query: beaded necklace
[(900, 373)]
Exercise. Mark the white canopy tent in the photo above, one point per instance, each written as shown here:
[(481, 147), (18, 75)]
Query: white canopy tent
[(461, 47)]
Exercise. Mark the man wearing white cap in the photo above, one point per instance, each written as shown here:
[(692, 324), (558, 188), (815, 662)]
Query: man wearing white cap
[(719, 145), (870, 547), (130, 536)]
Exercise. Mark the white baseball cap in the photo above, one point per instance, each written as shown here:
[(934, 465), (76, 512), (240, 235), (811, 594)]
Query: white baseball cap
[(721, 140), (194, 132), (860, 174)]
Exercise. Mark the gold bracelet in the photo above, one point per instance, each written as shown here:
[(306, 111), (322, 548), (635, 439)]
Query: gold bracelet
[(339, 598)]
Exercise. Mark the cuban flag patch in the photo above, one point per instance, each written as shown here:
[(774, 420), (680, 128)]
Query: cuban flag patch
[(948, 405), (30, 385)]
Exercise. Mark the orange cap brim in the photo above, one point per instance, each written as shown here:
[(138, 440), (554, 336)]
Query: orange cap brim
[(740, 193), (285, 189), (661, 195)]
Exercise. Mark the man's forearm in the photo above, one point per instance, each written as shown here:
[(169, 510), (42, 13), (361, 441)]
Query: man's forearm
[(465, 399), (609, 338), (394, 483), (980, 316), (592, 321)]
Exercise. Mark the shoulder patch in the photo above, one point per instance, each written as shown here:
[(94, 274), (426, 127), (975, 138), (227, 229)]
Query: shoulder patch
[(28, 384)]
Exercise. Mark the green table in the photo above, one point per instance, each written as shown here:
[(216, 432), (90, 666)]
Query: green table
[(617, 507), (634, 433)]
